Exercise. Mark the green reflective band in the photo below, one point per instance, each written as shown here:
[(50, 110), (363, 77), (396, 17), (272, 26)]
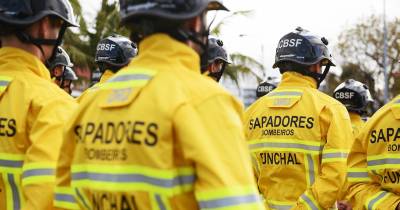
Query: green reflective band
[(16, 199), (38, 172), (114, 178), (309, 201), (334, 156), (286, 145), (280, 205), (4, 81), (383, 161), (160, 203), (35, 176), (229, 201), (310, 170), (358, 175), (122, 85), (128, 77), (235, 198), (64, 198), (65, 201), (12, 191), (11, 163), (132, 178), (374, 201), (285, 93)]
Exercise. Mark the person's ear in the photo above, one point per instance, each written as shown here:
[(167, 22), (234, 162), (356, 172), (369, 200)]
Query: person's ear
[(194, 24)]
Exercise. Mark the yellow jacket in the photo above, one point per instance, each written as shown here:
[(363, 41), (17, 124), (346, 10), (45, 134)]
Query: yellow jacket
[(106, 76), (374, 161), (158, 135), (356, 122), (299, 141), (32, 113)]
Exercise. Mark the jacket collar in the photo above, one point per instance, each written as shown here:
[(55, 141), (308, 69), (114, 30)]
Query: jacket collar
[(162, 52), (106, 76), (294, 79), (354, 117), (23, 61)]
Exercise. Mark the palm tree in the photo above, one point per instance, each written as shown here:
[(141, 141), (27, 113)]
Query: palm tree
[(73, 40), (242, 65), (82, 46)]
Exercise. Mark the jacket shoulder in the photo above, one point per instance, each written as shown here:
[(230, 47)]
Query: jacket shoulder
[(40, 91), (324, 98), (196, 87)]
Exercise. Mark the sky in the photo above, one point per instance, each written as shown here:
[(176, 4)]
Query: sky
[(258, 34)]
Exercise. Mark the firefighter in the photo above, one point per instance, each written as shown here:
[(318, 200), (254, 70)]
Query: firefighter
[(355, 96), (266, 87), (57, 65), (297, 135), (68, 77), (32, 109), (114, 53), (158, 134), (61, 70), (217, 59), (373, 173)]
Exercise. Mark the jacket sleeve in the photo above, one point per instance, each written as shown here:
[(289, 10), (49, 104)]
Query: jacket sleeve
[(335, 125), (45, 125), (364, 191), (213, 140), (65, 196)]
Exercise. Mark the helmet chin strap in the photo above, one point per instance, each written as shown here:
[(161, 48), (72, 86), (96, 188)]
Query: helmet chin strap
[(323, 75), (194, 37)]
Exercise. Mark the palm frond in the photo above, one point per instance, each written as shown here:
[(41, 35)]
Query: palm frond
[(217, 28)]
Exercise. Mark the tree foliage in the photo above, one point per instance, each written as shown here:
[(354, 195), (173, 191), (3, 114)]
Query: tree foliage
[(82, 45), (362, 48), (242, 65)]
